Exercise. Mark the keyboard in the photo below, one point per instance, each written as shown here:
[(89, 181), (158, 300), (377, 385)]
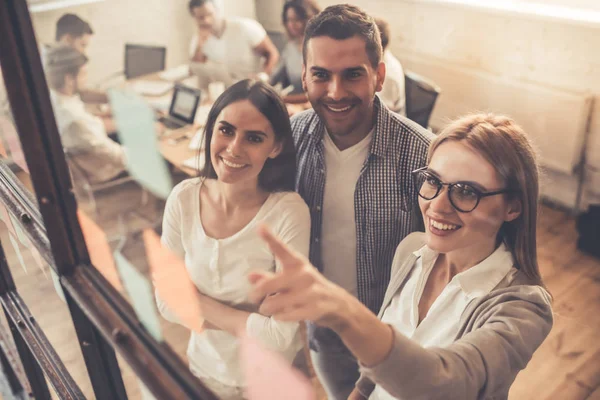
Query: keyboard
[(170, 124)]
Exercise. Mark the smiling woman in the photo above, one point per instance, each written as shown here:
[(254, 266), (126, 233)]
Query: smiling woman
[(210, 222), (465, 308)]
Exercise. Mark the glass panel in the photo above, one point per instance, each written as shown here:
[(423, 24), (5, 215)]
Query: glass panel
[(131, 132)]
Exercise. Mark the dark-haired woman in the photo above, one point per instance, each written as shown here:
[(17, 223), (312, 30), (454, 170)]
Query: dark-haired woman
[(210, 222), (295, 15)]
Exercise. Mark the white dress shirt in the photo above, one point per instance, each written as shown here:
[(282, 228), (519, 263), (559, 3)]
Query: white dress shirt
[(219, 269), (440, 326)]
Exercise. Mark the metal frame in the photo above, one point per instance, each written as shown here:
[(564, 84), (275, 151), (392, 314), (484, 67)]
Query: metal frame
[(103, 320)]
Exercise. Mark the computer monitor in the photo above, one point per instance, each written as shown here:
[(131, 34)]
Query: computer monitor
[(142, 60), (184, 103)]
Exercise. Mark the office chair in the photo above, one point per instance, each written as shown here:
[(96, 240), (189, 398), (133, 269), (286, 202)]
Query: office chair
[(142, 60), (82, 185), (421, 95)]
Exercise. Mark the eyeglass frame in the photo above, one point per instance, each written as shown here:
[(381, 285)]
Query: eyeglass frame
[(478, 192)]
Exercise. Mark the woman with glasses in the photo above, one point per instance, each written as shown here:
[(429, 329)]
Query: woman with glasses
[(466, 307)]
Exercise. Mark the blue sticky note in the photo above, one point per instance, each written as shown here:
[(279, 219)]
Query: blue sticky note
[(137, 132), (18, 230), (141, 295), (15, 245)]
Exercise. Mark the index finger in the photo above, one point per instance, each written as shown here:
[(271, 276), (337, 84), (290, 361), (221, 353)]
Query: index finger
[(287, 256)]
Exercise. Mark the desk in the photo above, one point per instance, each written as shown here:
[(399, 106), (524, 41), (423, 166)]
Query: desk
[(177, 153)]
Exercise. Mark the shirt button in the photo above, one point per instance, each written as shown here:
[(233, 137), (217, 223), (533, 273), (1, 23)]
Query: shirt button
[(316, 240), (322, 171), (318, 208)]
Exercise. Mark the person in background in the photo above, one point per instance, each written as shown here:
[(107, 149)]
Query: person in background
[(210, 222), (295, 15), (241, 45), (466, 307), (83, 134), (74, 32), (354, 162), (393, 93)]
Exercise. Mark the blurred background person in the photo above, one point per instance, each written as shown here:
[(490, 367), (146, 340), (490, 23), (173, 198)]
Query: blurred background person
[(393, 92), (295, 15), (239, 44)]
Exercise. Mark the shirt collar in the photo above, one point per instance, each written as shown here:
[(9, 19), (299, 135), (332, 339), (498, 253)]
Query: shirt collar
[(480, 279), (380, 131)]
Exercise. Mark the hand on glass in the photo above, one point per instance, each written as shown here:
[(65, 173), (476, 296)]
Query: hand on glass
[(299, 292)]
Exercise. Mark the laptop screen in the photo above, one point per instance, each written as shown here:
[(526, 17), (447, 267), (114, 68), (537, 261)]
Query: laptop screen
[(184, 104)]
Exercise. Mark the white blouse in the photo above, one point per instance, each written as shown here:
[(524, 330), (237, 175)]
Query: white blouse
[(440, 326), (219, 269)]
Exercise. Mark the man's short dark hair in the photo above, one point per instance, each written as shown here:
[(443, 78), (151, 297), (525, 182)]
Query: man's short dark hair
[(343, 21), (71, 24), (384, 31), (198, 3)]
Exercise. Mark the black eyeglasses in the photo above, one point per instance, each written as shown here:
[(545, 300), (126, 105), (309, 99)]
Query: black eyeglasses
[(463, 196)]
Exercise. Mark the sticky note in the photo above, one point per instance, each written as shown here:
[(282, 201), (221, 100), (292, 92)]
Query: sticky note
[(19, 231), (99, 250), (15, 245), (137, 133), (141, 295), (57, 286), (173, 283), (269, 376), (11, 137)]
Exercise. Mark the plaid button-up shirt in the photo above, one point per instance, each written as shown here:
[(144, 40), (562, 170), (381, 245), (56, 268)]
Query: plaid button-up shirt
[(385, 201)]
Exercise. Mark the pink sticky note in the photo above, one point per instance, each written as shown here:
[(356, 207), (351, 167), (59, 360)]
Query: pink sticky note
[(99, 250), (3, 152), (269, 376), (173, 282)]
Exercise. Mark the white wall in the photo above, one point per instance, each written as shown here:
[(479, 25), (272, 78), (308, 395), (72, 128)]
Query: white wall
[(536, 51), (116, 22)]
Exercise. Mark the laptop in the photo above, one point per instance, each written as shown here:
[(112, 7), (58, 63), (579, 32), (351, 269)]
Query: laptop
[(183, 107)]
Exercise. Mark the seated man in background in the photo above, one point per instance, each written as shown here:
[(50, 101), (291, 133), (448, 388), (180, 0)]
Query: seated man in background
[(393, 93), (74, 32), (83, 135), (237, 44)]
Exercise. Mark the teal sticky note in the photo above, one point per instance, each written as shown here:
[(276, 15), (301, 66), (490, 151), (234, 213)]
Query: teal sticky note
[(137, 133), (18, 230), (15, 245), (57, 285), (141, 295)]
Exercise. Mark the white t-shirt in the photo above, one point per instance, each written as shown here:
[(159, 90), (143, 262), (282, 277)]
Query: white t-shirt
[(440, 325), (338, 233), (83, 134), (235, 48), (219, 269), (393, 92)]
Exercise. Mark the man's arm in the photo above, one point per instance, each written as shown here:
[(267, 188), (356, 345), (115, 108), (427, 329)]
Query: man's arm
[(267, 49), (93, 96)]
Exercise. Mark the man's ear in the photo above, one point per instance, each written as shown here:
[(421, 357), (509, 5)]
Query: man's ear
[(515, 207), (304, 77), (277, 149), (380, 76)]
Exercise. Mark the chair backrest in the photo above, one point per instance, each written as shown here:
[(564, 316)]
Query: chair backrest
[(142, 59), (421, 95)]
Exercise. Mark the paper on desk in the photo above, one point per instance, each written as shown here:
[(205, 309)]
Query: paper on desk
[(141, 295), (269, 376), (151, 88), (99, 250), (175, 74), (173, 283), (137, 132)]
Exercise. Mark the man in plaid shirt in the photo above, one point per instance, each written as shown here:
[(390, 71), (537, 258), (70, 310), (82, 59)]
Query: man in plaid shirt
[(354, 162)]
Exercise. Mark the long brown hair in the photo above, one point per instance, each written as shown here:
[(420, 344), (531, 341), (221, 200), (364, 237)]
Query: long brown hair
[(505, 145)]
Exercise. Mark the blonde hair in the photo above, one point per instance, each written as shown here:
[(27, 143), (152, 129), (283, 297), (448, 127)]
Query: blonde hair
[(506, 146)]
